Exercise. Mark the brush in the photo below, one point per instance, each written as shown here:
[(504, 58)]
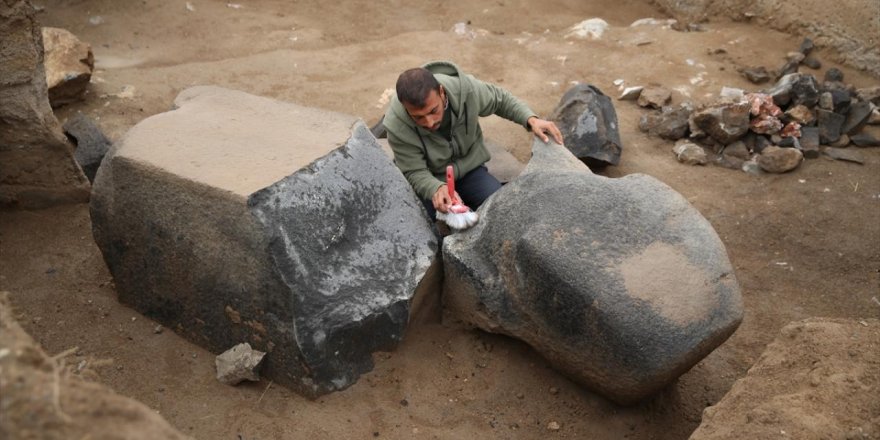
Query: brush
[(458, 216)]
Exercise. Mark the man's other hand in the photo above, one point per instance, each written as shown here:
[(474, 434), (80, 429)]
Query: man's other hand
[(540, 127)]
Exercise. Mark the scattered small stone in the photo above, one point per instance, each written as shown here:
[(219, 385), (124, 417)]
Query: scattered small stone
[(630, 93), (829, 124), (869, 94), (751, 167), (404, 402), (812, 63), (795, 56), (826, 101), (857, 117), (618, 82), (520, 396), (809, 141), (842, 142), (654, 96), (865, 139), (757, 75), (738, 150), (554, 391), (238, 363), (553, 426), (807, 46), (779, 160), (834, 74), (801, 114), (874, 119), (158, 329), (732, 94), (690, 153), (845, 154)]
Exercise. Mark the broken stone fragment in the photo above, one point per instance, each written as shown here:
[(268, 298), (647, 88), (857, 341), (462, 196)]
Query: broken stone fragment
[(869, 94), (654, 96), (738, 150), (726, 122), (757, 75), (794, 86), (801, 114), (826, 101), (857, 117), (834, 74), (69, 63), (829, 124), (623, 311), (841, 100), (807, 47), (779, 160), (765, 124), (845, 154), (630, 93), (690, 153), (91, 144), (809, 141), (812, 63), (239, 363), (588, 122), (840, 143), (670, 123), (868, 137), (792, 129), (762, 104), (761, 143)]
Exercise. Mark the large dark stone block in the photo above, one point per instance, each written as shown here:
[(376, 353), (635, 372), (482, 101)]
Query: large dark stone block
[(589, 126), (620, 283), (91, 144), (236, 218)]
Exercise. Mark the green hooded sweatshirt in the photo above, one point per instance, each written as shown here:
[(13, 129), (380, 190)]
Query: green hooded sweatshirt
[(422, 155)]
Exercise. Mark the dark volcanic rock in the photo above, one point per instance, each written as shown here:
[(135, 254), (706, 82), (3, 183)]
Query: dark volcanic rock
[(91, 144), (622, 310), (845, 154), (588, 123), (809, 142), (761, 142), (869, 94), (812, 63), (757, 75), (807, 46), (841, 100), (857, 117), (866, 139), (240, 218), (798, 88), (834, 74), (670, 123), (829, 124), (725, 123)]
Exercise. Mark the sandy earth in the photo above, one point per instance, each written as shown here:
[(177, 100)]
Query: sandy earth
[(804, 244)]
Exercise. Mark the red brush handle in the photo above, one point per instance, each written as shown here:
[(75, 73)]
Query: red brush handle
[(450, 182)]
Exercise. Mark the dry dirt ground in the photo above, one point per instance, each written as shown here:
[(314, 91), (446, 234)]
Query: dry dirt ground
[(804, 244)]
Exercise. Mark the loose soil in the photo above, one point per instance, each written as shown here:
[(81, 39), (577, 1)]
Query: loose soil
[(804, 244)]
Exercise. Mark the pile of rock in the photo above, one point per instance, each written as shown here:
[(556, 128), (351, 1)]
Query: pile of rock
[(771, 130)]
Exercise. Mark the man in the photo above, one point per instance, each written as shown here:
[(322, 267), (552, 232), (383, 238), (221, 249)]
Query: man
[(435, 122)]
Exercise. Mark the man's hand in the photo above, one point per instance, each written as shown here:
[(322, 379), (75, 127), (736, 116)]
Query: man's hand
[(540, 127), (441, 199)]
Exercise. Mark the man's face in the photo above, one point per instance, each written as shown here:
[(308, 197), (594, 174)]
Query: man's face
[(430, 116)]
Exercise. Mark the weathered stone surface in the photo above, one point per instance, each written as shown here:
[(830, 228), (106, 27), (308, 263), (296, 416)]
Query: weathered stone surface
[(91, 144), (654, 96), (738, 150), (779, 160), (239, 218), (757, 75), (809, 141), (841, 101), (670, 123), (725, 123), (834, 74), (812, 63), (589, 127), (871, 94), (797, 88), (761, 142), (69, 65), (857, 117), (811, 382), (623, 311), (801, 114), (238, 364), (807, 47), (38, 169), (829, 124), (690, 153), (842, 142), (845, 154), (630, 93), (868, 137)]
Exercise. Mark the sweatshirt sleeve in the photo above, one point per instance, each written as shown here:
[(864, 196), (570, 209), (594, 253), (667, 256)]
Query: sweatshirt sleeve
[(412, 163), (495, 100)]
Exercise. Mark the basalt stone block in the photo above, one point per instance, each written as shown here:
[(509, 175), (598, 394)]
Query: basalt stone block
[(670, 123), (797, 88), (91, 144), (857, 117), (623, 310), (236, 218), (589, 125), (830, 124)]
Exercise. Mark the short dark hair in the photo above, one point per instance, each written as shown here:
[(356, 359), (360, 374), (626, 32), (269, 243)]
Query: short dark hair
[(414, 86)]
